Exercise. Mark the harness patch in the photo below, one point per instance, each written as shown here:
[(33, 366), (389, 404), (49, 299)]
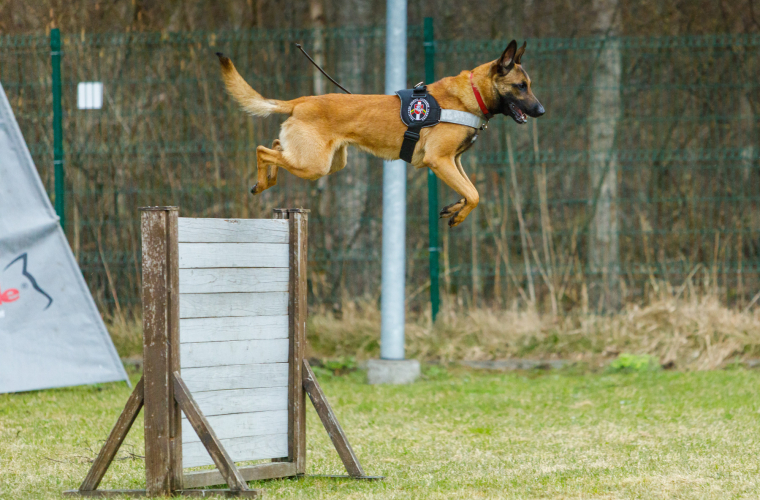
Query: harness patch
[(418, 110)]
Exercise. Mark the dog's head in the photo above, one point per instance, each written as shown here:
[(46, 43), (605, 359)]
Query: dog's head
[(512, 86)]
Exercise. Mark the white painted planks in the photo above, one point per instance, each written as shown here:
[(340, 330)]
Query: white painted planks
[(242, 400), (234, 334), (215, 305), (233, 328), (226, 280), (241, 425), (240, 449), (226, 377), (205, 255), (239, 352), (232, 230)]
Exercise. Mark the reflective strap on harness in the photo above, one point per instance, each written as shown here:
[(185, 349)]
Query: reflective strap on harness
[(462, 118)]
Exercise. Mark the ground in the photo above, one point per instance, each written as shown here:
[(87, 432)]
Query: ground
[(456, 434)]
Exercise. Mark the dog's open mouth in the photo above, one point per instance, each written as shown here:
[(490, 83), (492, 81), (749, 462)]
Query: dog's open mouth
[(518, 114)]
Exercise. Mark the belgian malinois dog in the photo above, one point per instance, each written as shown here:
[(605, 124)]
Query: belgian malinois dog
[(313, 140)]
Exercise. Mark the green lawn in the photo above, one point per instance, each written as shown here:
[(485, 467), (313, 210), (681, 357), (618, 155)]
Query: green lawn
[(454, 435)]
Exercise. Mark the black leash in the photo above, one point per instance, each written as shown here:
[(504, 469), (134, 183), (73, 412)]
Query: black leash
[(321, 70)]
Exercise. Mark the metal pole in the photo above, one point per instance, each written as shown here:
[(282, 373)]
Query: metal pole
[(432, 180), (394, 198), (55, 57)]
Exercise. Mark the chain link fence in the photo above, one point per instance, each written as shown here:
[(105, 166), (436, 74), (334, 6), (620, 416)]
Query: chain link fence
[(644, 172)]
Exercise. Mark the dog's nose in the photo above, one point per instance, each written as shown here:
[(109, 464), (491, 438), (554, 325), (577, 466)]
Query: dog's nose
[(539, 110)]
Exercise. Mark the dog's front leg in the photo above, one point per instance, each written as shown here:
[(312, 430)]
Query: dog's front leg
[(446, 170)]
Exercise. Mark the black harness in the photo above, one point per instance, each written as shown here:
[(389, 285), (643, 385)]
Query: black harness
[(418, 110)]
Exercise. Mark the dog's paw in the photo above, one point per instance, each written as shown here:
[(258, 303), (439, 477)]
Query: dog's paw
[(451, 210), (277, 146), (455, 220)]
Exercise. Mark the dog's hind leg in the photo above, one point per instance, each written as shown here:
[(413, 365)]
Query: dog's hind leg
[(273, 168), (447, 170)]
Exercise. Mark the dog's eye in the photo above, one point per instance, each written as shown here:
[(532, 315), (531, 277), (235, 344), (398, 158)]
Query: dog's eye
[(521, 86)]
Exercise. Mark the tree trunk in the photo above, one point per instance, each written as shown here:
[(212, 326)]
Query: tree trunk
[(604, 114)]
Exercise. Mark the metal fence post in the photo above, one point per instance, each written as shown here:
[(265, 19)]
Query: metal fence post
[(393, 279), (432, 182), (55, 57)]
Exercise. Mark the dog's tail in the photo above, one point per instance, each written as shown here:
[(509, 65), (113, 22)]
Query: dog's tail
[(250, 100)]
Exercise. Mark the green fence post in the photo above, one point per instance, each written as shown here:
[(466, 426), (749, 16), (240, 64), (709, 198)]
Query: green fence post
[(432, 182), (55, 57)]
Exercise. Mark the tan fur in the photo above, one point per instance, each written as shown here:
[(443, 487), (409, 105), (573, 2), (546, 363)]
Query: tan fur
[(313, 140)]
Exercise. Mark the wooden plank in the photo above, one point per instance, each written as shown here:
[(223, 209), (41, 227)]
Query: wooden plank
[(232, 328), (208, 438), (172, 318), (232, 231), (226, 280), (242, 401), (240, 449), (204, 255), (259, 423), (240, 352), (156, 350), (215, 378), (298, 220), (330, 422), (217, 305), (115, 439), (197, 479)]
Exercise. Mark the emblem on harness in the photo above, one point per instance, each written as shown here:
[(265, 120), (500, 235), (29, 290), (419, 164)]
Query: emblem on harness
[(418, 109)]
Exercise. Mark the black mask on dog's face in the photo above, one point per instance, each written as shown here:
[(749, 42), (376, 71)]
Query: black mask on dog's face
[(512, 86)]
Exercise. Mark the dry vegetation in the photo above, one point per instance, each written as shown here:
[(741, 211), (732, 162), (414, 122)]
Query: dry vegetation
[(692, 333)]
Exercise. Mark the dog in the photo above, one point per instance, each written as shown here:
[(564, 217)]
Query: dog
[(314, 138)]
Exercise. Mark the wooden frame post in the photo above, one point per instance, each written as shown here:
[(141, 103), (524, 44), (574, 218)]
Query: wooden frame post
[(298, 223), (160, 299)]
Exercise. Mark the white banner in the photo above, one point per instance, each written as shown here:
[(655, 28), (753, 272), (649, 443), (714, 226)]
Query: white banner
[(51, 334)]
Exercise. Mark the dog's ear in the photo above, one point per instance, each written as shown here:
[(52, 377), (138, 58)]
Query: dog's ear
[(507, 60), (520, 52)]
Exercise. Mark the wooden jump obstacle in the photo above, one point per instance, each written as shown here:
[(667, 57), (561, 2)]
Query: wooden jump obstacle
[(224, 336)]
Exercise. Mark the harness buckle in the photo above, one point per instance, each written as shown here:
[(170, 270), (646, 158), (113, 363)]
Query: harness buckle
[(414, 136)]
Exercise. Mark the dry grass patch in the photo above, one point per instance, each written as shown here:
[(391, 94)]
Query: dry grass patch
[(694, 334)]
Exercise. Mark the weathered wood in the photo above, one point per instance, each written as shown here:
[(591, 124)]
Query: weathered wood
[(204, 255), (219, 378), (242, 400), (257, 472), (184, 493), (239, 352), (115, 439), (172, 280), (157, 246), (233, 328), (216, 305), (330, 422), (227, 280), (214, 447), (239, 425), (239, 449), (297, 310), (232, 231)]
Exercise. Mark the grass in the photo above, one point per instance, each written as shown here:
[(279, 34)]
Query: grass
[(455, 434)]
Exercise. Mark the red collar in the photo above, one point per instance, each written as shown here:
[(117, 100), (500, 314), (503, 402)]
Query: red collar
[(479, 98)]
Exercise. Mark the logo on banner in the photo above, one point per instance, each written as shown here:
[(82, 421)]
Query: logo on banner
[(20, 283), (418, 109)]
